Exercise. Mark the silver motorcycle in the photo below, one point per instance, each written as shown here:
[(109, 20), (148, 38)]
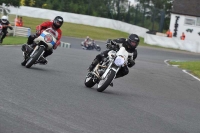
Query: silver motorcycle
[(45, 41), (105, 72)]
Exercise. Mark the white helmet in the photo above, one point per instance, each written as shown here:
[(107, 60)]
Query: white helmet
[(4, 19)]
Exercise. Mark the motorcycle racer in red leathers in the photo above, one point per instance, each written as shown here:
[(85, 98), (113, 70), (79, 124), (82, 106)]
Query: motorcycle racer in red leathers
[(54, 27)]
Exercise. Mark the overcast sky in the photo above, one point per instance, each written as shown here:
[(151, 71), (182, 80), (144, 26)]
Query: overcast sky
[(132, 1)]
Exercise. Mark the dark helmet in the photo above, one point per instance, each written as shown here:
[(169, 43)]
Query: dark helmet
[(57, 22), (133, 41)]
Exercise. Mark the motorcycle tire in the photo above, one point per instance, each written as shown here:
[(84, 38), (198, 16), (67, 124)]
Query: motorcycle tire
[(108, 79), (35, 57), (89, 81), (98, 48)]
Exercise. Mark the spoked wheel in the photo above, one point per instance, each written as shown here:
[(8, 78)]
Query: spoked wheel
[(89, 81), (104, 83), (33, 59)]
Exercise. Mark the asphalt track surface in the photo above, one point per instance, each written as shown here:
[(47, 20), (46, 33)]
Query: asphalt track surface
[(153, 98)]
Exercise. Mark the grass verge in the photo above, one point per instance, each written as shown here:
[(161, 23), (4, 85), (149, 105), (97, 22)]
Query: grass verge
[(192, 66), (14, 40)]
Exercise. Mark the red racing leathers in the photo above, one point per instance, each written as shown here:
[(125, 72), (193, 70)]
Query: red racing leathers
[(46, 25)]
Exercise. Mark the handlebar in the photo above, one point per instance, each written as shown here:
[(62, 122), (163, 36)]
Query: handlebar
[(10, 27)]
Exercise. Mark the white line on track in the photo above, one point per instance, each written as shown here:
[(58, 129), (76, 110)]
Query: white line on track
[(185, 71)]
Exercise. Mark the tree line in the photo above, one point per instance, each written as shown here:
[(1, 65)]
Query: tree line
[(151, 14)]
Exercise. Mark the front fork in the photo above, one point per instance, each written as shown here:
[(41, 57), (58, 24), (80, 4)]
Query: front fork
[(115, 68), (107, 70), (36, 48)]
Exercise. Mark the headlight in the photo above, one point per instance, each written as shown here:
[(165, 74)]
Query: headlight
[(48, 38), (119, 61)]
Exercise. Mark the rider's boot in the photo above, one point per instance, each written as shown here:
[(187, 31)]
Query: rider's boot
[(23, 63), (92, 66), (26, 48), (111, 84), (43, 60), (23, 48), (33, 45)]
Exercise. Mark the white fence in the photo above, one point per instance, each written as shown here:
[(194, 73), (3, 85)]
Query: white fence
[(21, 31), (188, 45), (78, 19)]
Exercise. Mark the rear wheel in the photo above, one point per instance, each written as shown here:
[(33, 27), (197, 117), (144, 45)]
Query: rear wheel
[(104, 83), (35, 57)]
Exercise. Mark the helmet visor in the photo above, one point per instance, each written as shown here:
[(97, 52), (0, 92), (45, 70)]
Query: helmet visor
[(58, 23), (133, 44), (4, 20)]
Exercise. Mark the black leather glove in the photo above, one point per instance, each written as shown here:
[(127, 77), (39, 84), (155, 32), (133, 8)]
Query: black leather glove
[(37, 32), (108, 44), (131, 62), (116, 48), (10, 27), (108, 41), (112, 42)]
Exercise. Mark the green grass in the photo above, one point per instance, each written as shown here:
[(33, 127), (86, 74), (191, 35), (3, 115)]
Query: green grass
[(97, 33), (10, 40), (192, 66)]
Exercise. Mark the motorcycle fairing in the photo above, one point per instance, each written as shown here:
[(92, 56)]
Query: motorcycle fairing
[(44, 35)]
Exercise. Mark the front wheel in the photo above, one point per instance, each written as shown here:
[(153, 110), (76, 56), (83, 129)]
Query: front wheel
[(35, 57), (98, 48), (104, 83)]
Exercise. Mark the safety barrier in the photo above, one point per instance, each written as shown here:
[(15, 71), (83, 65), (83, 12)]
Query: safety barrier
[(21, 31), (175, 43), (65, 45), (78, 19)]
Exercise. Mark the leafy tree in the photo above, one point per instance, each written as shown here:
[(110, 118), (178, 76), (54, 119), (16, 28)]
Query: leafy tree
[(154, 9), (31, 2), (11, 2), (146, 14)]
